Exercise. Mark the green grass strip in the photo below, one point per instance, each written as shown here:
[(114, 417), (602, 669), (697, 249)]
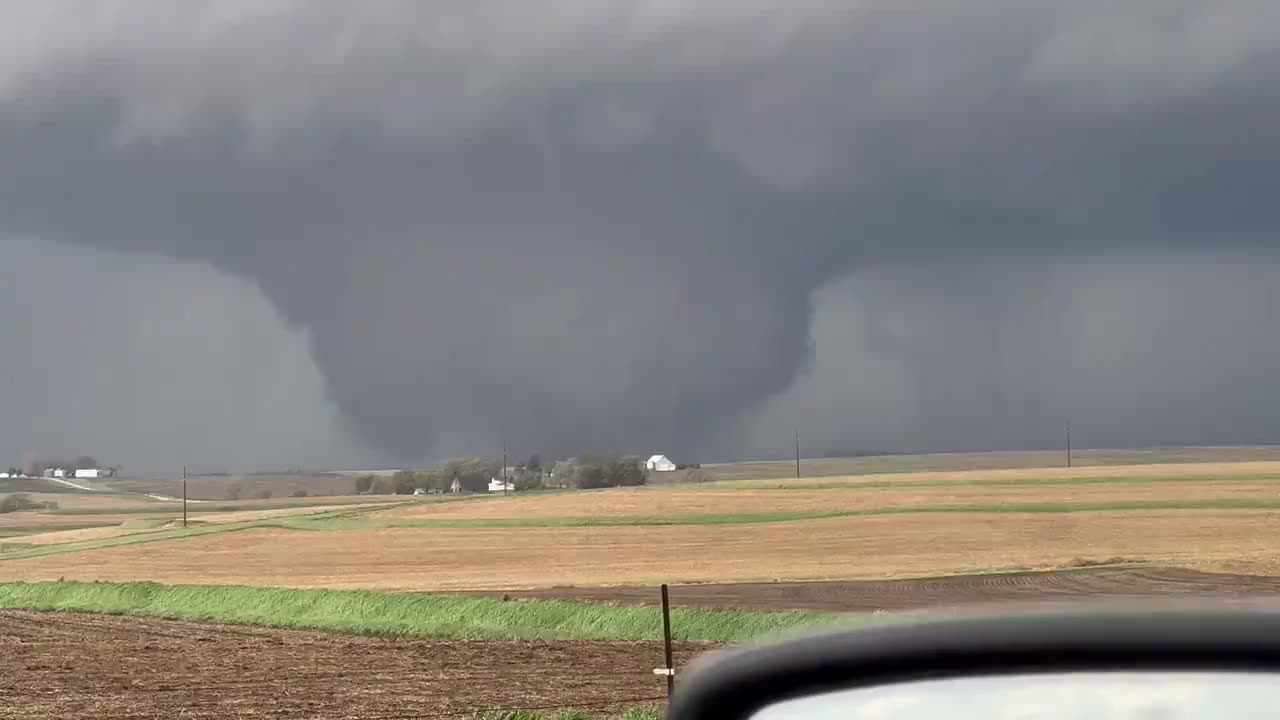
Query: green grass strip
[(412, 614)]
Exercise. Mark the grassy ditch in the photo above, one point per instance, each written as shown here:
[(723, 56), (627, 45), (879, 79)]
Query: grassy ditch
[(412, 614)]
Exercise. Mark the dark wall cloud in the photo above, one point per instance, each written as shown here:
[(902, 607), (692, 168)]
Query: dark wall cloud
[(154, 364), (1134, 348), (601, 225)]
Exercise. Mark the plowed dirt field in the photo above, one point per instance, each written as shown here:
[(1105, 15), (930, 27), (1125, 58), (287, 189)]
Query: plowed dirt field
[(62, 665), (1085, 583)]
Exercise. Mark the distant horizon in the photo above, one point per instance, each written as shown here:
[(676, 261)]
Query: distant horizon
[(743, 460)]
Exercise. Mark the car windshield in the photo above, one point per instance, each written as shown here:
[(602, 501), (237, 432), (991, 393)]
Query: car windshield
[(372, 359)]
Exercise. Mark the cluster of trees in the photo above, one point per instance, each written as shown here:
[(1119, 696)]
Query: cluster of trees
[(474, 474), (34, 466), (602, 472)]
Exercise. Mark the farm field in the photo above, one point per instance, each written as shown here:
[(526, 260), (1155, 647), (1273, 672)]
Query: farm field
[(217, 487), (1204, 516), (46, 529), (116, 667), (95, 502), (913, 491), (872, 547), (923, 593), (847, 543), (950, 462), (75, 510)]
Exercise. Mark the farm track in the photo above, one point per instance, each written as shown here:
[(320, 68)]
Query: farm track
[(1110, 582), (56, 665)]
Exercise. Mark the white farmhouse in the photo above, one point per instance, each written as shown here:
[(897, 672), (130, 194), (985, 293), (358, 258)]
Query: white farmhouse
[(660, 463)]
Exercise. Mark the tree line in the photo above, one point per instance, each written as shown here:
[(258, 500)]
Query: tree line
[(34, 466), (474, 474)]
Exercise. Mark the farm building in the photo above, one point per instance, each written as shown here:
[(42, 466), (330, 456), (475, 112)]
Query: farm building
[(660, 463), (496, 485), (90, 473)]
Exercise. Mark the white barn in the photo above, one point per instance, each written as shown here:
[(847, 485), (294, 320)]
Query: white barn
[(660, 463)]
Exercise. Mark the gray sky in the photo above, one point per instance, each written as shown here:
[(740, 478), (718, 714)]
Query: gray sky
[(154, 364), (420, 227)]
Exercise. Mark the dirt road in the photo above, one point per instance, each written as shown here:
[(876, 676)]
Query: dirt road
[(61, 665)]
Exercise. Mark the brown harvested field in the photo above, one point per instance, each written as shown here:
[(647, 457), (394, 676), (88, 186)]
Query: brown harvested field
[(675, 502), (57, 537), (92, 501), (34, 521), (946, 462), (1222, 470), (117, 525), (920, 593), (61, 665), (128, 508), (247, 514), (290, 502), (219, 487), (875, 547)]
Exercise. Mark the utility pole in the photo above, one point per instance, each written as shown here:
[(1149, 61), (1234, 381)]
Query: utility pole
[(670, 669), (1068, 444), (184, 496), (797, 453)]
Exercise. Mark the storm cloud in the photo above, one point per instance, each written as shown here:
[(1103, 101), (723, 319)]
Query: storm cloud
[(602, 225)]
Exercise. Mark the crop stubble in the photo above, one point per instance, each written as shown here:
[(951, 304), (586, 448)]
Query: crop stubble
[(875, 547), (115, 525), (920, 593), (661, 503)]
